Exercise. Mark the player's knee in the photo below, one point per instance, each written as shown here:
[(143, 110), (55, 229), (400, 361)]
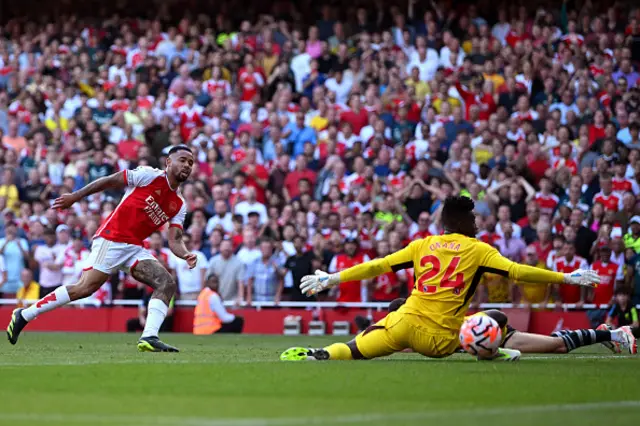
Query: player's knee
[(168, 285), (499, 316)]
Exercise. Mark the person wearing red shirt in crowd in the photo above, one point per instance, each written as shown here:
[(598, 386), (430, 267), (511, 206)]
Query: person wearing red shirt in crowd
[(190, 116), (565, 159), (257, 175), (421, 228), (609, 272), (250, 81), (301, 171), (386, 287), (128, 148), (351, 291), (544, 245), (596, 130), (606, 197), (476, 96), (620, 184), (567, 263), (546, 199), (357, 116)]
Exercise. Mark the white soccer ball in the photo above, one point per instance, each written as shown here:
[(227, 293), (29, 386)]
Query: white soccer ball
[(480, 336)]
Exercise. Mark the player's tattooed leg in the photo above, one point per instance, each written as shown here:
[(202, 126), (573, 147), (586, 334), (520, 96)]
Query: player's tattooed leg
[(153, 274)]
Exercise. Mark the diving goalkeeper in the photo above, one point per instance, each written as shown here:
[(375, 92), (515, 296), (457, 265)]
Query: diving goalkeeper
[(448, 269)]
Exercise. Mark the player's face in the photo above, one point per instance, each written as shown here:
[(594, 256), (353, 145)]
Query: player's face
[(180, 165)]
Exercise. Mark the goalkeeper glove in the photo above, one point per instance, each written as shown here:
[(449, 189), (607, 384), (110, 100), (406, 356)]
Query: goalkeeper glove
[(582, 277), (313, 284)]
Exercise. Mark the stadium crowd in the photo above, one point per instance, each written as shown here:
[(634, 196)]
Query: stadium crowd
[(326, 135)]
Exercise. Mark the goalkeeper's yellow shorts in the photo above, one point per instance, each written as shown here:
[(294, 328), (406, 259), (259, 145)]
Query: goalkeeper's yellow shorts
[(398, 331)]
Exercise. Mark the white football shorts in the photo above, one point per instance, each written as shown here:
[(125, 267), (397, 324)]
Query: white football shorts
[(109, 256)]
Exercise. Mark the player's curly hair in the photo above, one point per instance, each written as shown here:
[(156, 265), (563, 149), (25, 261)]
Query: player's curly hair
[(457, 216)]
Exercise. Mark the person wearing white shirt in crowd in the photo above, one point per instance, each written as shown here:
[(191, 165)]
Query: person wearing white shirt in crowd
[(118, 70), (339, 86), (243, 208), (223, 217), (73, 260), (190, 281), (451, 45), (301, 65), (565, 106), (426, 60), (502, 27), (50, 258), (249, 252)]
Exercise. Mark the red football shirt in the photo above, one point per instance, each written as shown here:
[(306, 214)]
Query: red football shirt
[(384, 286), (569, 293), (608, 272), (610, 202), (350, 291), (147, 205)]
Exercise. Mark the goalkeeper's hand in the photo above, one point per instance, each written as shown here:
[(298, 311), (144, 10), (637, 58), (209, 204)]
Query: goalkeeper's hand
[(313, 284), (582, 277)]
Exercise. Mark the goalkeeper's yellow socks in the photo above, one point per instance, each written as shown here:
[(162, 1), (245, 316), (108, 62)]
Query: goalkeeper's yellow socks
[(339, 351)]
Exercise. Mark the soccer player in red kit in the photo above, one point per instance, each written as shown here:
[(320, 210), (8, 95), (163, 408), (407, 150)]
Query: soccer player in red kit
[(151, 200)]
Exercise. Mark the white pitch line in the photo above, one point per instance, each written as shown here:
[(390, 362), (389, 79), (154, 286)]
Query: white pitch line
[(138, 420)]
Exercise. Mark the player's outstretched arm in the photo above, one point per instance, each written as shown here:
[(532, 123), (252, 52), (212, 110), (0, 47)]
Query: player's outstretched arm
[(499, 264), (402, 259), (114, 181)]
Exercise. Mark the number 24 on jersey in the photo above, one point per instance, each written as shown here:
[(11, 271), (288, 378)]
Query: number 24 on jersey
[(450, 279)]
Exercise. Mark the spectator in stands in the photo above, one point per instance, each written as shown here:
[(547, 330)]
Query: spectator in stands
[(632, 238), (509, 246), (534, 293), (190, 281), (298, 265), (210, 315), (251, 205), (230, 272), (74, 259), (249, 252), (223, 217), (15, 252), (264, 276), (50, 258), (29, 292), (622, 312)]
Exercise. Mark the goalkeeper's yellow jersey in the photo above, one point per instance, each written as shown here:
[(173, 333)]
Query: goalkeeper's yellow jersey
[(448, 269)]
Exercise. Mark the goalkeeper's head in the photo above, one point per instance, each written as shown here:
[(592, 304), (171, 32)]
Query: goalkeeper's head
[(458, 217)]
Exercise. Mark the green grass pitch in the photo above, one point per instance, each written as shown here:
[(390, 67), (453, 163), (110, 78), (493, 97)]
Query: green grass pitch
[(100, 379)]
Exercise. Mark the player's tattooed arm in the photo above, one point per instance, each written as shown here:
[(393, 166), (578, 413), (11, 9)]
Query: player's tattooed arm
[(153, 274)]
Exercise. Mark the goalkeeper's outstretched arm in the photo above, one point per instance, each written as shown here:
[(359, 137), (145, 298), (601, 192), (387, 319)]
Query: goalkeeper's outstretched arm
[(519, 272), (402, 259)]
